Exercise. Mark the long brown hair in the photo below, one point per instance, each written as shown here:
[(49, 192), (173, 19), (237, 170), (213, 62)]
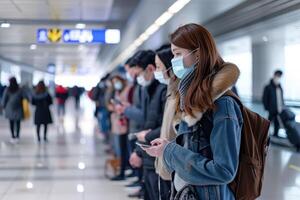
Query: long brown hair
[(41, 87), (192, 37)]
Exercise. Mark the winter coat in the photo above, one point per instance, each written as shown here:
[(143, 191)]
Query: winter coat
[(150, 114), (270, 99), (223, 80), (42, 103), (12, 104)]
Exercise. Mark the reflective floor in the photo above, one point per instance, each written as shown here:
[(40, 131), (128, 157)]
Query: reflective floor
[(71, 165)]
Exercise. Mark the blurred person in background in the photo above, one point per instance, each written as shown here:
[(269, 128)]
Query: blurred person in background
[(42, 100), (61, 95), (273, 100), (119, 123), (101, 113), (76, 93), (2, 88), (12, 105)]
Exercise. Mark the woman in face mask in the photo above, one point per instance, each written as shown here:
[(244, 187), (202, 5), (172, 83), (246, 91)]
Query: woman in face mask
[(204, 157), (119, 123)]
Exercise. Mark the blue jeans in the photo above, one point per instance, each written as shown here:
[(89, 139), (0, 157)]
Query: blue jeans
[(61, 109), (103, 120)]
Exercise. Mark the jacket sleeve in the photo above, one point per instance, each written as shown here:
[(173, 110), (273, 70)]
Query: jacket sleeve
[(4, 98), (155, 133), (49, 100), (33, 101), (135, 113), (225, 142), (265, 99)]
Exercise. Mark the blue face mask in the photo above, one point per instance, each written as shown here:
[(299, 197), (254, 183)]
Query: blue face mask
[(178, 66)]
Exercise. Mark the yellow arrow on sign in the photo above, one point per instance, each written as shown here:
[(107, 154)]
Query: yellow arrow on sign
[(54, 34)]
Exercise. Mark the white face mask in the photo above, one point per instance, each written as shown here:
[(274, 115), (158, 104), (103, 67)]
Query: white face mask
[(129, 77), (118, 85), (276, 80), (178, 65), (159, 75), (142, 81)]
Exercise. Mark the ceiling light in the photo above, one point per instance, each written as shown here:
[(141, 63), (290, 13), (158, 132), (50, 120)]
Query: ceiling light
[(163, 18), (265, 39), (80, 188), (178, 5), (152, 29), (5, 25), (80, 26), (33, 47), (81, 165), (29, 185)]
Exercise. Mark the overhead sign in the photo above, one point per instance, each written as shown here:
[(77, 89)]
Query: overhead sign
[(78, 36)]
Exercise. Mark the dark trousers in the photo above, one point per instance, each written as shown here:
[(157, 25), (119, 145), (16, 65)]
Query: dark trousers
[(124, 153), (38, 129), (15, 128), (276, 125), (164, 189), (151, 184)]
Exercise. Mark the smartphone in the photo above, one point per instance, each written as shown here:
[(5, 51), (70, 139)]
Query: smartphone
[(143, 145), (115, 101)]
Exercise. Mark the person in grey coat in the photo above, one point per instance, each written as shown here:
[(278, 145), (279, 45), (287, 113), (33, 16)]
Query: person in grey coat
[(42, 100), (12, 105)]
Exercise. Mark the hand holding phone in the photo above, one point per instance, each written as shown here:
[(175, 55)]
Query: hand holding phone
[(142, 145)]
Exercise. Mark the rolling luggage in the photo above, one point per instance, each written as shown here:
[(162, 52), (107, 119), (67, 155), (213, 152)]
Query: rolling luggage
[(293, 133), (291, 126)]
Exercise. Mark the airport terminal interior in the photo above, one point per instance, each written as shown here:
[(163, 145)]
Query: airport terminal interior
[(79, 87)]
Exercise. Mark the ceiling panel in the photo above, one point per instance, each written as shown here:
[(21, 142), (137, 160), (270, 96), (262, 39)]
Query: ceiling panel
[(30, 15)]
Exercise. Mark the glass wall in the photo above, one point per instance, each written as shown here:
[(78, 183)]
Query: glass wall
[(238, 51)]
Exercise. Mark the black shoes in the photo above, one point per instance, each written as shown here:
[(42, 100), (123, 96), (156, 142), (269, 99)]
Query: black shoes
[(118, 178)]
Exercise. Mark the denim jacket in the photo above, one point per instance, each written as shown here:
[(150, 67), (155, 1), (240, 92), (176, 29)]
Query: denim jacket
[(211, 161)]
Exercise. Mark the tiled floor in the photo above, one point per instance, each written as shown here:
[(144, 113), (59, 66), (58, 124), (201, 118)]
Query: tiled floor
[(29, 171)]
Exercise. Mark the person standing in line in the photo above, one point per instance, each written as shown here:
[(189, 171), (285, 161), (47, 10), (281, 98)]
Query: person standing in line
[(42, 100), (61, 95), (204, 158), (12, 105), (273, 100)]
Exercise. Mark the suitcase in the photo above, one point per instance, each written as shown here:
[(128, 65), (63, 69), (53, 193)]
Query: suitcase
[(293, 133), (287, 115)]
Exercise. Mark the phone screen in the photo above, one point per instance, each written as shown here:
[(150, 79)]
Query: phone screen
[(143, 145)]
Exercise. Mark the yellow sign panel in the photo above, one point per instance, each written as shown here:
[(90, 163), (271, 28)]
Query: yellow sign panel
[(54, 34)]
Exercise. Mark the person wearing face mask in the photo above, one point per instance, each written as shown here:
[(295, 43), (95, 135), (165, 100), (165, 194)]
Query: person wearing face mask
[(164, 74), (273, 100), (149, 114), (134, 126), (119, 123), (203, 159)]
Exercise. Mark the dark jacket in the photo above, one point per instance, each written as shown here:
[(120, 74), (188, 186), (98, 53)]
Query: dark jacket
[(12, 104), (42, 111), (270, 100), (134, 126), (150, 115)]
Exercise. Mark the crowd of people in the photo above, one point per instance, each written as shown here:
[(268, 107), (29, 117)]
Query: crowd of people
[(168, 115), (150, 110), (15, 101)]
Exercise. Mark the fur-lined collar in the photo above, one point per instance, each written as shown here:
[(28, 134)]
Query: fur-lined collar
[(224, 81)]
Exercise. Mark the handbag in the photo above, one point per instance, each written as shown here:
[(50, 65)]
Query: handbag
[(26, 109)]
